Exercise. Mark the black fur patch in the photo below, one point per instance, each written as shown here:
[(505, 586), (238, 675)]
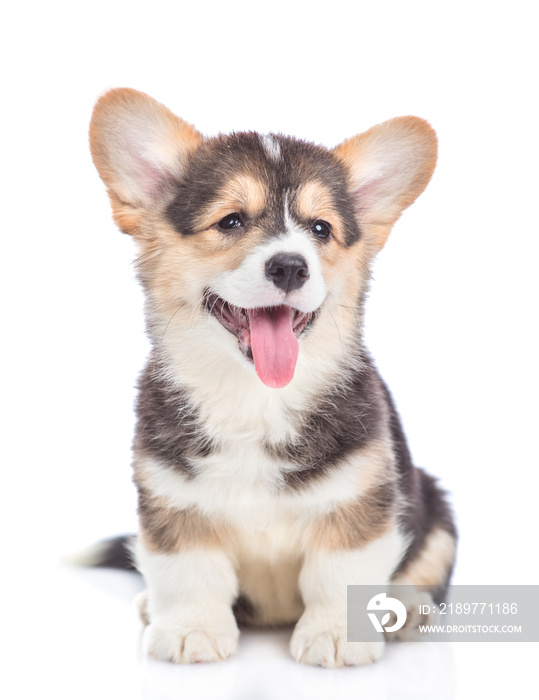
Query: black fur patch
[(244, 611), (345, 419), (217, 159), (426, 504), (116, 553), (168, 427)]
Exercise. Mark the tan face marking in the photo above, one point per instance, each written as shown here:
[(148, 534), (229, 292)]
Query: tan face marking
[(243, 194), (179, 267), (314, 201)]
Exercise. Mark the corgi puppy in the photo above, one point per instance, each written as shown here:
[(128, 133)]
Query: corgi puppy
[(271, 466)]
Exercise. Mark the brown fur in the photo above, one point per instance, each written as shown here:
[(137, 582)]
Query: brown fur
[(167, 530), (314, 201), (430, 568), (242, 193), (356, 524)]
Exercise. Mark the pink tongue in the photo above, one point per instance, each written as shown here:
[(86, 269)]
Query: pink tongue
[(274, 345)]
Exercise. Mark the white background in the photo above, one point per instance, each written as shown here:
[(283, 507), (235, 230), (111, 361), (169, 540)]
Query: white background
[(452, 316)]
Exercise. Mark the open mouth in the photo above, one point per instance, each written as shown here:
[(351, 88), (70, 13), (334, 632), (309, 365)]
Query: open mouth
[(266, 336)]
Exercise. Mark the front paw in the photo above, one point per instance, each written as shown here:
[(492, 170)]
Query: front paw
[(182, 644), (319, 642)]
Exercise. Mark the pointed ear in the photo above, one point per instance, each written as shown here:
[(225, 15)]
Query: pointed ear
[(139, 148), (388, 166)]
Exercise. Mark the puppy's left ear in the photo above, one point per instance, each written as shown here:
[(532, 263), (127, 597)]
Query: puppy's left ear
[(389, 166)]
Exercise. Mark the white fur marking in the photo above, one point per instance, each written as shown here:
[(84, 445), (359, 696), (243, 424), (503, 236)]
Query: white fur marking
[(241, 486), (271, 147), (248, 287), (190, 595), (320, 635)]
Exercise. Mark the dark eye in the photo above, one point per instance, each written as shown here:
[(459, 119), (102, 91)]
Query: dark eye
[(230, 221), (321, 229)]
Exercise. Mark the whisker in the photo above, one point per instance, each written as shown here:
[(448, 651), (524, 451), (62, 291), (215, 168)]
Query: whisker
[(137, 262), (354, 307), (169, 322), (338, 331), (213, 305), (193, 318)]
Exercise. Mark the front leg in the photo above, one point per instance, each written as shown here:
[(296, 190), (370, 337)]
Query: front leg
[(319, 638), (191, 588)]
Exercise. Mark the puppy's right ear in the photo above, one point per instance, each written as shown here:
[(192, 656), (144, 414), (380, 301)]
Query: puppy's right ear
[(140, 149)]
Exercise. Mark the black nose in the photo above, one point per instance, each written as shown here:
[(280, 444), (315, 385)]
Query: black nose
[(288, 271)]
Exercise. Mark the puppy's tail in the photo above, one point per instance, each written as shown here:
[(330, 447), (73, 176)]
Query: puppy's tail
[(114, 553)]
